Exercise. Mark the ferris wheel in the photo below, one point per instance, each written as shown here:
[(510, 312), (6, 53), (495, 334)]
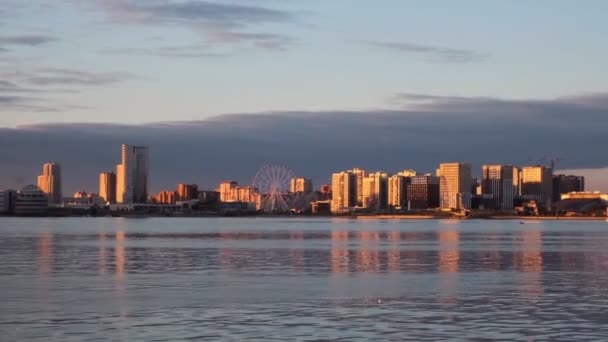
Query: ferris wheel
[(272, 182)]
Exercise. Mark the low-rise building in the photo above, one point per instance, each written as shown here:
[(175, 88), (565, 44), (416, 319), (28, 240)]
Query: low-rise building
[(31, 201), (582, 203), (7, 201), (321, 207)]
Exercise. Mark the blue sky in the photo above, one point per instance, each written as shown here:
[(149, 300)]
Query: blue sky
[(158, 60)]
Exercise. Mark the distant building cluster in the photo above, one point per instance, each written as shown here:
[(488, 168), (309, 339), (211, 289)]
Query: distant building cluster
[(507, 188), (453, 188)]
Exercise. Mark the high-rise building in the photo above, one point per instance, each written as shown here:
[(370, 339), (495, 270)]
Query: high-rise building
[(397, 190), (516, 182), (132, 175), (301, 185), (423, 192), (563, 184), (186, 192), (359, 174), (344, 191), (537, 185), (229, 191), (497, 186), (120, 183), (50, 182), (107, 186), (455, 185), (375, 191)]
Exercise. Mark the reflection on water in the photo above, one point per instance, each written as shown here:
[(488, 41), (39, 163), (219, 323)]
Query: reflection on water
[(45, 252), (531, 262), (289, 279), (119, 254), (339, 251)]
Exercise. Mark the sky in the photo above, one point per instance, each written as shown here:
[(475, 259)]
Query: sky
[(519, 74)]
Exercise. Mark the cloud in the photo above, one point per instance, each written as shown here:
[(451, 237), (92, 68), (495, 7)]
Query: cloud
[(221, 14), (10, 87), (315, 144), (433, 53), (44, 83), (18, 103), (64, 76), (190, 51), (25, 39), (220, 23)]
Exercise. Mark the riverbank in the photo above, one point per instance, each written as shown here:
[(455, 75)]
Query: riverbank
[(520, 218)]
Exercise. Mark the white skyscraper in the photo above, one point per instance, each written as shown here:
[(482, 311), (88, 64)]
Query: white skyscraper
[(132, 175)]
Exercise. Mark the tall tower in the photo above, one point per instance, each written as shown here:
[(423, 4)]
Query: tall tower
[(397, 190), (497, 184), (107, 186), (132, 175), (455, 185), (360, 174), (50, 182), (344, 191)]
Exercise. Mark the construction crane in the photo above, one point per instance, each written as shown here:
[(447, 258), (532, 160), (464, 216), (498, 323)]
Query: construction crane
[(552, 161)]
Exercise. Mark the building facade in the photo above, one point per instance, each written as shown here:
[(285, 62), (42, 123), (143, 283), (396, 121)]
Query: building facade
[(229, 191), (132, 175), (7, 201), (344, 191), (423, 192), (563, 184), (375, 191), (186, 192), (107, 186), (165, 197), (397, 191), (300, 185), (497, 186), (537, 185), (455, 186), (359, 175), (49, 182), (31, 201)]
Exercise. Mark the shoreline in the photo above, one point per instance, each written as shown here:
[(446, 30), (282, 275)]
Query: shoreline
[(521, 218), (348, 217)]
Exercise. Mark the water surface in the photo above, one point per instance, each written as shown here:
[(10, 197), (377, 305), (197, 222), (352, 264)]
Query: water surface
[(93, 279)]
